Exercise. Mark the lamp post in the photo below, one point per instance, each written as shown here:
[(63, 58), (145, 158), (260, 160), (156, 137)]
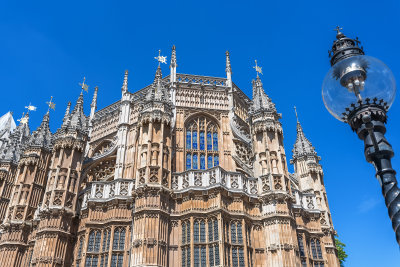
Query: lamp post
[(359, 90)]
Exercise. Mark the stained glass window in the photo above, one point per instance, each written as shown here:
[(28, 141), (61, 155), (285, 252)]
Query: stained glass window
[(210, 161), (215, 230), (201, 134), (203, 256), (202, 231), (215, 141), (239, 232), (183, 257), (301, 245), (196, 231), (319, 251), (116, 238), (188, 139), (216, 252), (97, 242), (91, 241), (194, 137), (122, 240), (209, 141), (216, 161), (195, 162), (313, 249), (211, 255), (196, 256), (105, 234), (102, 261), (114, 260), (234, 257), (210, 231), (188, 232), (188, 161), (120, 260), (202, 143), (183, 233), (233, 232), (241, 257), (202, 162), (188, 256)]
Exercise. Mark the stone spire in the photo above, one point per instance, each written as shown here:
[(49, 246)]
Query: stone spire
[(77, 118), (228, 69), (66, 115), (42, 137), (17, 140), (7, 125), (93, 106), (173, 65), (261, 101), (157, 91), (124, 88), (302, 146)]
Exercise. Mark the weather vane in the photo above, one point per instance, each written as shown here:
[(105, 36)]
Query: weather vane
[(295, 111), (257, 68), (51, 104), (161, 59), (30, 107), (24, 119), (84, 86)]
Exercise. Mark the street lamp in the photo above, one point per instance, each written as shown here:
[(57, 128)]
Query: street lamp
[(359, 90)]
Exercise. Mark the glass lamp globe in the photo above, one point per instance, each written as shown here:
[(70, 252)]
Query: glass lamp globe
[(356, 79)]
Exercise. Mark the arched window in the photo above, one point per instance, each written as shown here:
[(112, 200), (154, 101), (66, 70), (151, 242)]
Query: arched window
[(301, 246), (94, 241), (183, 233), (196, 231), (316, 249), (213, 230), (106, 240), (236, 232), (80, 247), (119, 239), (202, 231), (201, 144)]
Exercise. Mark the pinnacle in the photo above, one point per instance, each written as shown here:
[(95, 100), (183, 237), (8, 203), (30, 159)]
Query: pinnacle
[(302, 146)]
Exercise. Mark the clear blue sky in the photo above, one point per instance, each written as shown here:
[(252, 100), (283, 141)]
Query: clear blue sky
[(47, 47)]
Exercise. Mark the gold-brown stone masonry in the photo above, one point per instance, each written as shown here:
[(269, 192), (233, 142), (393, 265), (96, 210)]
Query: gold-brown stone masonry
[(186, 172)]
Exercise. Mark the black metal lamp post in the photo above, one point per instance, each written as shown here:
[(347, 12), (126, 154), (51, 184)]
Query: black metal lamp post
[(359, 90)]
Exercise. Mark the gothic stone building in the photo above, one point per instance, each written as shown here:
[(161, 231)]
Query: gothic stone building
[(187, 171)]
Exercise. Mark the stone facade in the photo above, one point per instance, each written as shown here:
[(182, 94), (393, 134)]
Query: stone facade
[(187, 171)]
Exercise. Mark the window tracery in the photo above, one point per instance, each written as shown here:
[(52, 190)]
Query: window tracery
[(201, 144)]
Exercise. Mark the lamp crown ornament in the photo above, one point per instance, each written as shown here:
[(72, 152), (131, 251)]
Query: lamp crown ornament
[(344, 47)]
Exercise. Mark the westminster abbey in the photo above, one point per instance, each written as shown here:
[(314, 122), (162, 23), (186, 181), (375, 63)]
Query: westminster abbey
[(186, 172)]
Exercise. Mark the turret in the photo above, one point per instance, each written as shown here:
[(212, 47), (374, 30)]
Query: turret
[(60, 199)]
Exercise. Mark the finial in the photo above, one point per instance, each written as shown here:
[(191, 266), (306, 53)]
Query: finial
[(125, 83), (173, 56), (228, 62), (30, 107), (51, 105), (84, 86), (257, 68), (161, 59), (295, 111), (339, 34)]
